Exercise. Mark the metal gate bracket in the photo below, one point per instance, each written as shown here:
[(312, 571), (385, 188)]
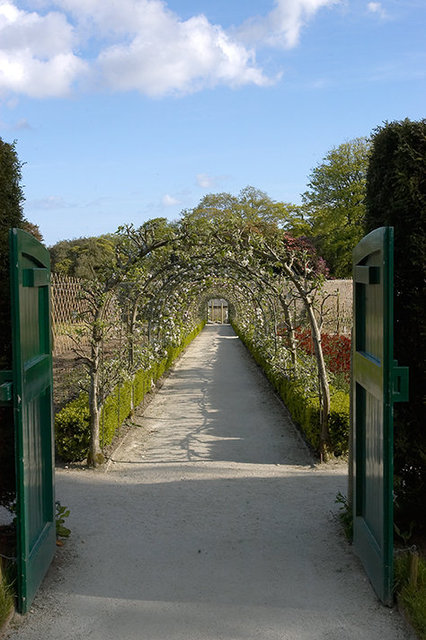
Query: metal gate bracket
[(400, 383), (35, 277), (367, 274)]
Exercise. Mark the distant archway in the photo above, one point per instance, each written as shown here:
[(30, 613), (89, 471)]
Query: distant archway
[(218, 311)]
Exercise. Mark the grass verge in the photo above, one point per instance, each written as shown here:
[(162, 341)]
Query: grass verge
[(6, 597), (410, 587)]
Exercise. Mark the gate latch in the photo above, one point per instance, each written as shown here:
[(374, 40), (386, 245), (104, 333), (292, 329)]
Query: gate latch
[(400, 383)]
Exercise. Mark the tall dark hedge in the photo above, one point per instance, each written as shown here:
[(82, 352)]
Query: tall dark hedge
[(396, 196), (11, 199)]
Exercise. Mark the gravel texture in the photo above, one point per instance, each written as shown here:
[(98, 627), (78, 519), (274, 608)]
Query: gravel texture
[(211, 522)]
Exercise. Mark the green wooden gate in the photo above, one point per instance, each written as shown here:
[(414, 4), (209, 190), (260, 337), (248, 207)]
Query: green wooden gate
[(31, 394), (377, 383)]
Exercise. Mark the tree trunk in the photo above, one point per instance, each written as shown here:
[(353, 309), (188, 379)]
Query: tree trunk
[(95, 456), (322, 372), (323, 379), (291, 334)]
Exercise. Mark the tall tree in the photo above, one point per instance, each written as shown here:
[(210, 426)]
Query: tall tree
[(82, 257), (335, 204), (11, 200)]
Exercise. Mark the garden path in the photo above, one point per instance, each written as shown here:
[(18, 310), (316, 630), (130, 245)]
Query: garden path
[(211, 522)]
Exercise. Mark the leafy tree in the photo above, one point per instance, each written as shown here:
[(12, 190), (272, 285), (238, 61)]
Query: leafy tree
[(32, 228), (396, 196), (335, 204), (82, 257)]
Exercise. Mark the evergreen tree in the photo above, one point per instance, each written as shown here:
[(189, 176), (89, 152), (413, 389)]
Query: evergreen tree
[(11, 200)]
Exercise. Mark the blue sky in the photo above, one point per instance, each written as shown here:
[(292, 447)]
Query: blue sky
[(124, 110)]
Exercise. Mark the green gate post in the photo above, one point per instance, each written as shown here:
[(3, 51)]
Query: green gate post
[(377, 383), (33, 415)]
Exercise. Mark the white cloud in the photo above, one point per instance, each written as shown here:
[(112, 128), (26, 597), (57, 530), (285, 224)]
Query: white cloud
[(282, 26), (167, 55), (377, 8), (169, 201), (19, 125), (132, 45), (49, 203), (138, 45), (205, 181), (36, 55), (22, 125)]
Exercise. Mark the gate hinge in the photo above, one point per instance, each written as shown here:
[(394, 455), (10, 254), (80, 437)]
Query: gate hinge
[(5, 387), (400, 383)]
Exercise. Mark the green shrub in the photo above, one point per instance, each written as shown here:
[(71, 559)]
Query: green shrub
[(72, 422), (141, 385), (411, 592), (116, 408), (72, 429), (304, 408), (338, 422)]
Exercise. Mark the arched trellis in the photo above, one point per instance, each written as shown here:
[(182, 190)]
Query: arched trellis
[(238, 284), (162, 272)]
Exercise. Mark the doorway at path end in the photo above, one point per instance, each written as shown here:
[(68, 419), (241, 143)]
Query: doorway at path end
[(218, 311)]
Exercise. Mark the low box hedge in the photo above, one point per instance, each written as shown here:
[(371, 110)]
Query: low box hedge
[(304, 408), (72, 423)]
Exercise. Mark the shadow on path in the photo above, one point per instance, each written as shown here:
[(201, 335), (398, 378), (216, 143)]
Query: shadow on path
[(217, 406), (211, 524)]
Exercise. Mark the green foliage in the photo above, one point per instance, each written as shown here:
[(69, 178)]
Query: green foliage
[(72, 422), (116, 408), (62, 513), (396, 196), (411, 590), (345, 515), (82, 257), (11, 194), (338, 421), (304, 407), (305, 411), (6, 597), (141, 385), (72, 429), (11, 200), (335, 204), (406, 534), (220, 210)]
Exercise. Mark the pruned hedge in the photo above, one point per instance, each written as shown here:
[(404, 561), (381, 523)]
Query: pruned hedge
[(72, 429), (304, 408), (396, 196), (72, 433)]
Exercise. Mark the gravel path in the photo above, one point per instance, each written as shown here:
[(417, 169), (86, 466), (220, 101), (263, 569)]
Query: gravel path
[(211, 522)]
